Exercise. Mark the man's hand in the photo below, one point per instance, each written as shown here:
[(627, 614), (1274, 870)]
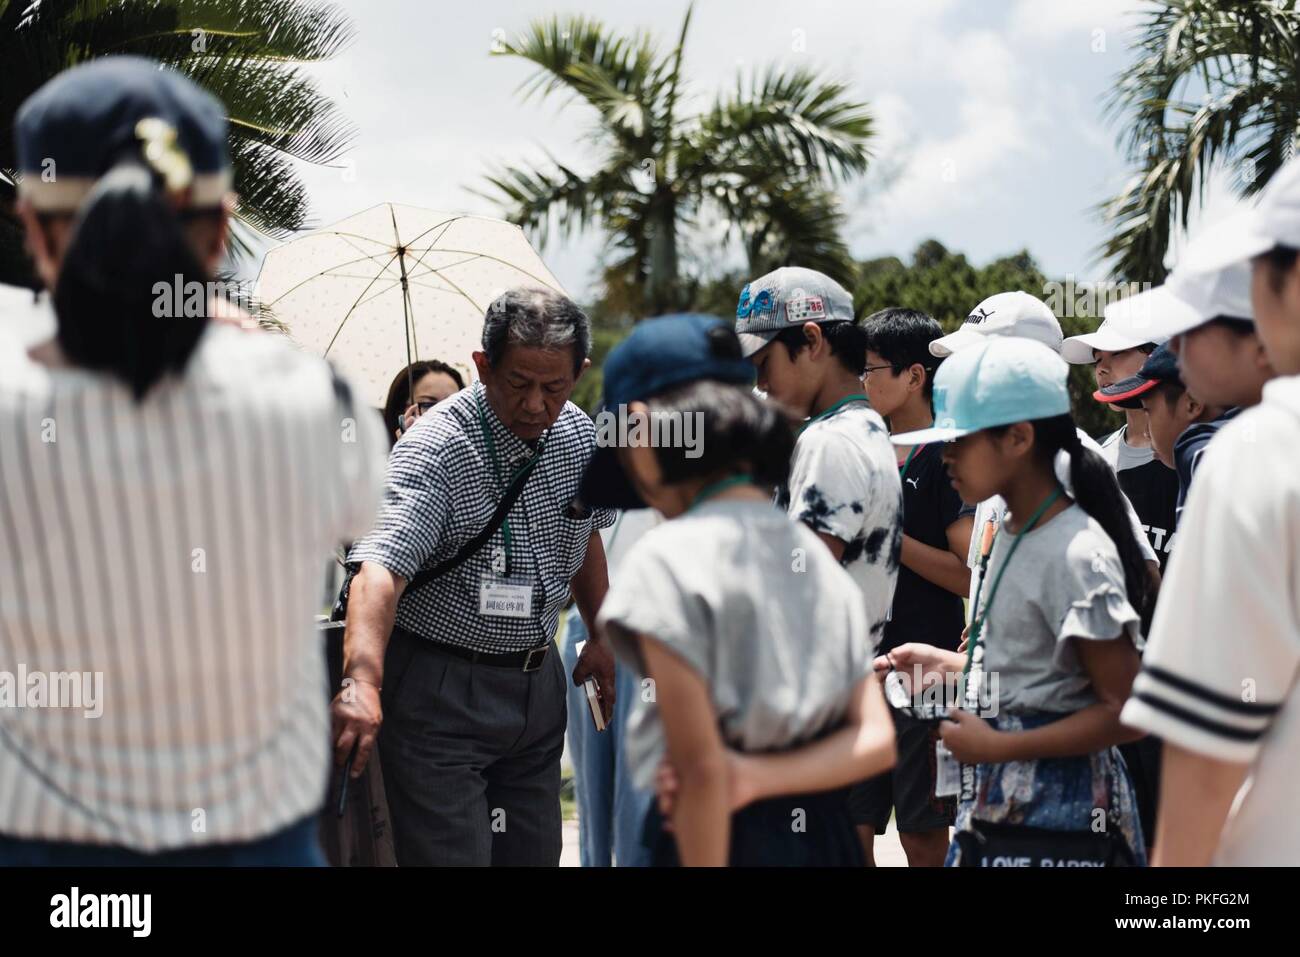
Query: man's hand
[(596, 661), (355, 715)]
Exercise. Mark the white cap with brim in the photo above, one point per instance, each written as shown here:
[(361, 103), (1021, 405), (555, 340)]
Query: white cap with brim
[(932, 434), (1126, 324), (1238, 239), (1002, 380), (955, 341), (1011, 314), (1275, 221), (1203, 296)]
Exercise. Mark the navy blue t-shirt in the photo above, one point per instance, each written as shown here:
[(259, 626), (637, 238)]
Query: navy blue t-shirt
[(922, 610)]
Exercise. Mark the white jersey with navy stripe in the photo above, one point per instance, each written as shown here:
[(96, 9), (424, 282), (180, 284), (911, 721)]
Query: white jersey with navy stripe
[(160, 566), (1221, 672)]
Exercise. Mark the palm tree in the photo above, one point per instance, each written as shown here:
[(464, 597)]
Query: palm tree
[(246, 52), (1242, 59), (761, 159)]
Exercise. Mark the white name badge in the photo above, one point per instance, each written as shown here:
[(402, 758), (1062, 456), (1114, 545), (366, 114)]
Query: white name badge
[(504, 599), (947, 778)]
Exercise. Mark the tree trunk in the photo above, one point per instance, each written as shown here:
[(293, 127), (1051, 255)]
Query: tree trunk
[(661, 287)]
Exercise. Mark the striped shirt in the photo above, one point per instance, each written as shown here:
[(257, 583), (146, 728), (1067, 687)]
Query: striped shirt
[(170, 552), (441, 491), (1221, 673)]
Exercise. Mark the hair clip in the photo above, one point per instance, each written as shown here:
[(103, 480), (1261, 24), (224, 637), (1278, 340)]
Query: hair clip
[(163, 154)]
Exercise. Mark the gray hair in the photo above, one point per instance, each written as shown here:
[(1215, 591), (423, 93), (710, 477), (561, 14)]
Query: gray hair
[(539, 318)]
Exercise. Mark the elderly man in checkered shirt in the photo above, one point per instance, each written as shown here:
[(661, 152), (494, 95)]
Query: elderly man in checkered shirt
[(462, 672)]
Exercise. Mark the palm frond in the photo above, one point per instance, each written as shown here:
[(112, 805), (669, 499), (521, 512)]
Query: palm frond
[(1240, 58), (620, 76), (787, 119), (276, 105), (785, 222), (246, 52), (537, 199)]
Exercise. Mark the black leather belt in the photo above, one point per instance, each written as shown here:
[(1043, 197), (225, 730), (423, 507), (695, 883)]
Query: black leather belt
[(530, 659)]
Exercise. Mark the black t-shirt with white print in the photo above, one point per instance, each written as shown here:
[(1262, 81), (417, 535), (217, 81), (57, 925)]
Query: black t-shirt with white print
[(922, 610), (1150, 486)]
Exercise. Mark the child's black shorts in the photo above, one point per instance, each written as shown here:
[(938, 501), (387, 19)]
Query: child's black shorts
[(908, 789)]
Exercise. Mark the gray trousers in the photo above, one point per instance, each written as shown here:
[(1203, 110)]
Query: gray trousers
[(471, 758)]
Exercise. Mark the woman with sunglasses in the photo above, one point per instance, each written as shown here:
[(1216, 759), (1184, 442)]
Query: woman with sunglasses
[(417, 389)]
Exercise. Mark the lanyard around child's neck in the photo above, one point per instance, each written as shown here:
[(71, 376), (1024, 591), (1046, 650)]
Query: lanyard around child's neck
[(715, 489), (980, 615), (856, 397), (908, 464)]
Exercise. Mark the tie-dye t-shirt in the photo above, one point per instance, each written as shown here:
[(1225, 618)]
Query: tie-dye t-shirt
[(844, 482)]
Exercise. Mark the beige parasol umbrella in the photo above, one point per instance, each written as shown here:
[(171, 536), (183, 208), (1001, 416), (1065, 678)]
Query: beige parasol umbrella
[(393, 284)]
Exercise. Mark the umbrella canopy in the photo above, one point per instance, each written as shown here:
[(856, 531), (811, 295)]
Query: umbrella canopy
[(394, 284)]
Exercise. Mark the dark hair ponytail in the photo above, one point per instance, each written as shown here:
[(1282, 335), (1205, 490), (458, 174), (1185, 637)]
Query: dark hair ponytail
[(126, 239), (1098, 493)]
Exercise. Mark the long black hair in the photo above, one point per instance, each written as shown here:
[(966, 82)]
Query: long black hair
[(127, 240), (1097, 492)]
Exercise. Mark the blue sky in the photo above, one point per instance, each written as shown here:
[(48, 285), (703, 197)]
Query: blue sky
[(992, 134)]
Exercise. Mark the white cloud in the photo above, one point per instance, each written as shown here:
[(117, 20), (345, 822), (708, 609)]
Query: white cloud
[(1055, 20), (953, 171), (976, 106)]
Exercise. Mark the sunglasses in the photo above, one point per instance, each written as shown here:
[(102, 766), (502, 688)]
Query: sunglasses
[(424, 406)]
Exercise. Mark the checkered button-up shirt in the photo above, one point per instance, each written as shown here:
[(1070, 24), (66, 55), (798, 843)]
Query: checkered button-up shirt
[(442, 489)]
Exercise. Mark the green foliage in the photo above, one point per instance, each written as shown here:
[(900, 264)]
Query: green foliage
[(1215, 82), (762, 158), (941, 283), (945, 285), (248, 53), (588, 390)]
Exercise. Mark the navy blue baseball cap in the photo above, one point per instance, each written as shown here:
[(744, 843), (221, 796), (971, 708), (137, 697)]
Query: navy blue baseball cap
[(78, 125), (659, 355), (1161, 366)]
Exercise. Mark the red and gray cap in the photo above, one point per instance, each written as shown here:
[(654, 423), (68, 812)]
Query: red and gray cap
[(785, 297), (1161, 366)]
